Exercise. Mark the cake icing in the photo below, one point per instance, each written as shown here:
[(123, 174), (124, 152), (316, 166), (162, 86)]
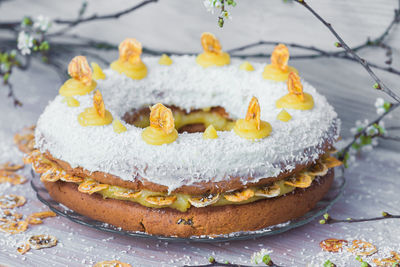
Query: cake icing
[(190, 159)]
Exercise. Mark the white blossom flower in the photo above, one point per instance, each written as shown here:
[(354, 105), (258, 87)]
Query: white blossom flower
[(42, 23), (210, 5), (379, 102), (25, 43), (257, 257), (380, 110)]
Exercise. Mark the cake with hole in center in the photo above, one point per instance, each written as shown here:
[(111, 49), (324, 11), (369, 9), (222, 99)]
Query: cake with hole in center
[(187, 145)]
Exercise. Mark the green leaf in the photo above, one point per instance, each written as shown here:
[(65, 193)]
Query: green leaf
[(44, 46), (328, 263), (266, 259)]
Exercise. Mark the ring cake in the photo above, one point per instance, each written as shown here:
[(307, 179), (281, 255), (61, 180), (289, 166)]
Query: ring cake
[(187, 146)]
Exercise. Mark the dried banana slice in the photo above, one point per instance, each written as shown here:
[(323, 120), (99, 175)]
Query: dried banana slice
[(203, 201), (42, 241), (91, 186), (390, 261), (7, 215), (333, 244), (331, 162), (161, 200), (25, 140), (318, 169), (11, 201), (11, 177), (32, 156), (52, 175), (71, 179), (113, 263), (42, 166), (23, 248), (128, 194), (240, 195), (362, 248), (35, 218), (11, 167), (12, 227), (269, 191), (302, 180)]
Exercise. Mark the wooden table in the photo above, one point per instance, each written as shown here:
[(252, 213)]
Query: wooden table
[(373, 182)]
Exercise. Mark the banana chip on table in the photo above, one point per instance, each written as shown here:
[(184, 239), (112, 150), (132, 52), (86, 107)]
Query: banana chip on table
[(35, 218), (13, 227), (390, 261), (269, 191), (203, 201), (113, 263), (362, 248), (161, 200), (11, 201), (26, 139), (333, 244), (23, 248), (11, 177), (241, 195), (42, 241), (11, 167), (7, 215)]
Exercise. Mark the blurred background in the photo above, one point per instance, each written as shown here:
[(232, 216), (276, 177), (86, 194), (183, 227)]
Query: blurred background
[(176, 25)]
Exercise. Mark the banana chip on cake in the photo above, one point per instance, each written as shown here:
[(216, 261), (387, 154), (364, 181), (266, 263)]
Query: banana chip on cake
[(91, 186), (301, 180), (128, 194), (203, 201), (269, 191), (161, 200), (240, 195)]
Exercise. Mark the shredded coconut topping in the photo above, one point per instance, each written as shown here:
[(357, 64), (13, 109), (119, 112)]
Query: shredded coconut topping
[(190, 159)]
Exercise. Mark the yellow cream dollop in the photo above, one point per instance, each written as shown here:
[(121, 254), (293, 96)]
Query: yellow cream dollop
[(71, 101), (165, 60), (210, 133), (246, 66), (118, 127), (96, 115), (129, 61), (162, 126), (213, 54), (284, 116), (296, 98), (98, 73), (81, 82), (278, 70), (252, 127)]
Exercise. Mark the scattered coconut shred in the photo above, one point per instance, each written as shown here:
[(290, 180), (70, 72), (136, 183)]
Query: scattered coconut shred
[(190, 159)]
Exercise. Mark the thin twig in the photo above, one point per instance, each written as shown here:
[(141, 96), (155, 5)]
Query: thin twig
[(384, 216), (380, 84), (73, 23)]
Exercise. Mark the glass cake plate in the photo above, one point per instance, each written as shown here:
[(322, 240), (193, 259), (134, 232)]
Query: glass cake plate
[(322, 207)]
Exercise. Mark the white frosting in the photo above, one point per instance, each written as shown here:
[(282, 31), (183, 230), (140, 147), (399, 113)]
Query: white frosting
[(190, 159)]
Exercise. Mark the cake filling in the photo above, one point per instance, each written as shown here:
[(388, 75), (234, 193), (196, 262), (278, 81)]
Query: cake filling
[(51, 172)]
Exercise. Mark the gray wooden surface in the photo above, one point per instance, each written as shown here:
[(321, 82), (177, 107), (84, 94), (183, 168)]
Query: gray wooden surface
[(177, 25)]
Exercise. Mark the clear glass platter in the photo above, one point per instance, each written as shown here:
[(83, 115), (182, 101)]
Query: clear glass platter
[(322, 207)]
